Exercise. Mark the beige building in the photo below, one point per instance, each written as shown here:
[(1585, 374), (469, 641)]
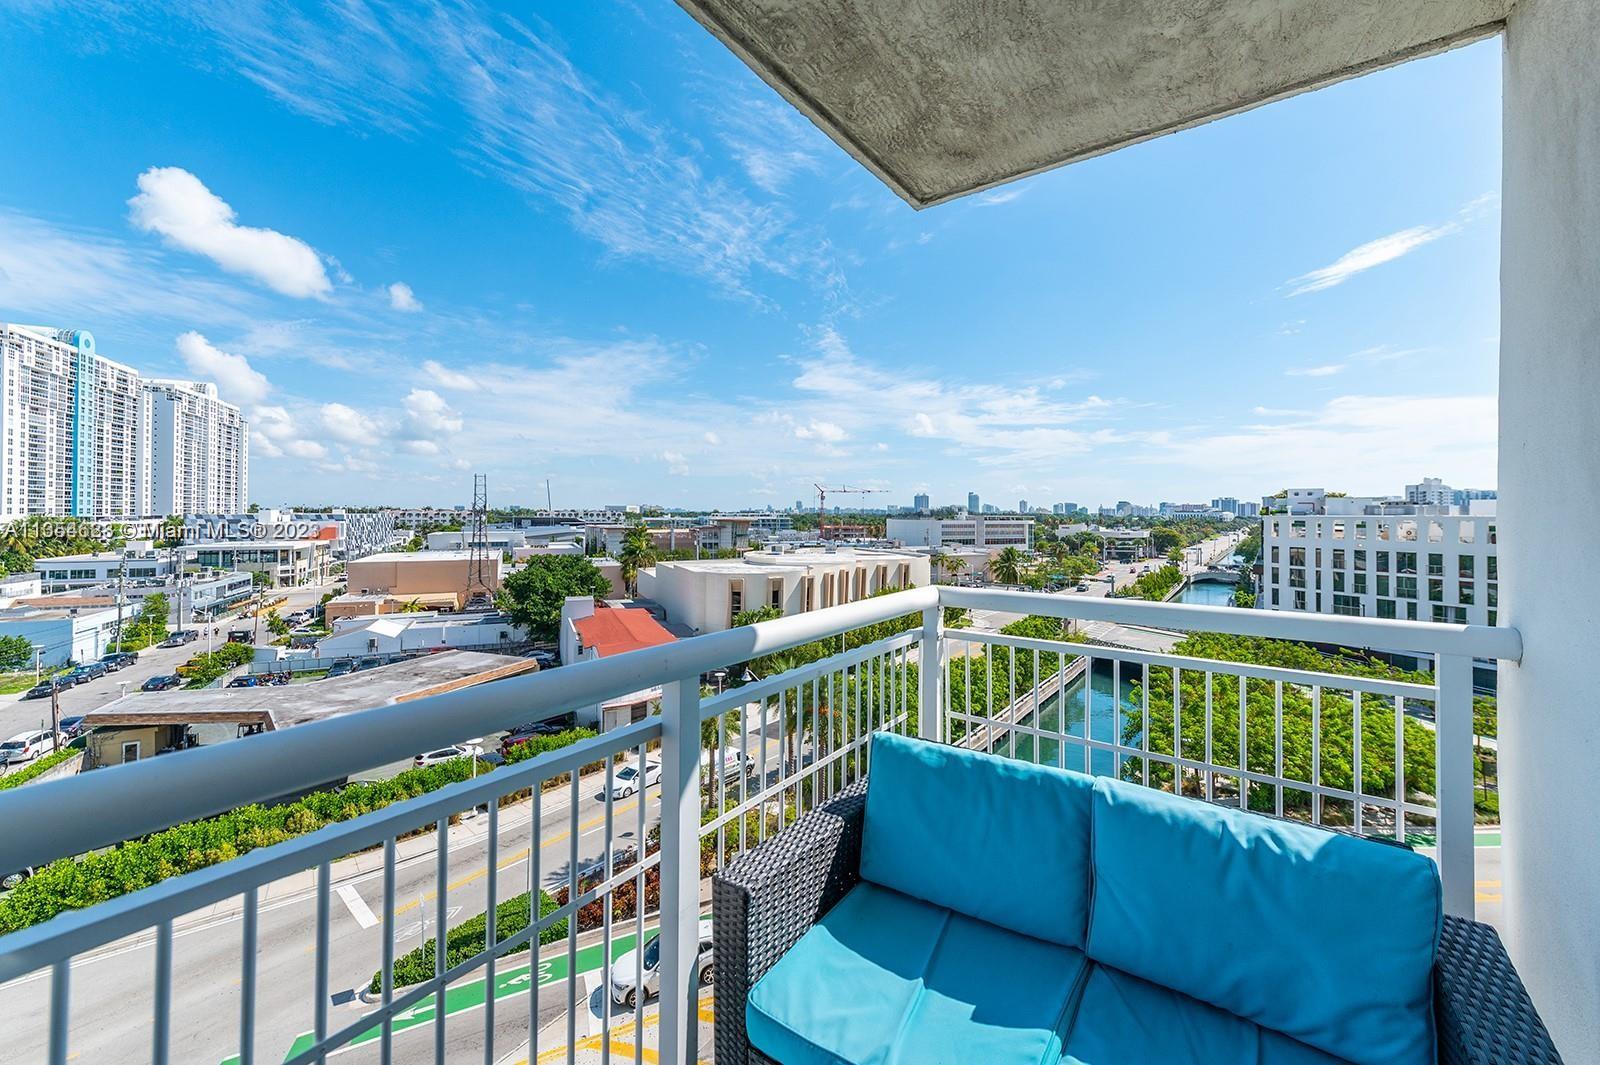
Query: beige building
[(706, 595), (434, 579)]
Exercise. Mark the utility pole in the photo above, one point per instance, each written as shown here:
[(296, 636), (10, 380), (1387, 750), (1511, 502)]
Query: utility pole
[(122, 571), (36, 650), (55, 716)]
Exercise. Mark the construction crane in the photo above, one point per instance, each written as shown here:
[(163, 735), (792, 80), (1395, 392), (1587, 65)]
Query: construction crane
[(822, 502)]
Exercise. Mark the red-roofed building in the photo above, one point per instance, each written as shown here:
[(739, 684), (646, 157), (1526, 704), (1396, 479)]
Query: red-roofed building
[(617, 630), (591, 629)]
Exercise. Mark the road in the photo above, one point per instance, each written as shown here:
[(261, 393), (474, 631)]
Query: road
[(112, 987)]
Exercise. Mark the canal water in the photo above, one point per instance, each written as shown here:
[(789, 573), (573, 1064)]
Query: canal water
[(1097, 698), (1207, 593)]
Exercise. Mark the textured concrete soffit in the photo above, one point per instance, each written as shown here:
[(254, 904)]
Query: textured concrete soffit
[(941, 98)]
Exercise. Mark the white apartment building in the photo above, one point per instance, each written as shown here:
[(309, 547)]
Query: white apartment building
[(706, 595), (1417, 567), (974, 530), (70, 426), (85, 436), (198, 450)]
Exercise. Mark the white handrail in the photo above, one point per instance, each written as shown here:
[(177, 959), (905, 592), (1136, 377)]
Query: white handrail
[(1476, 641), (99, 809)]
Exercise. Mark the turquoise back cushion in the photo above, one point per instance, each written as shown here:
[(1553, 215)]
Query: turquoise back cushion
[(1322, 937), (996, 839)]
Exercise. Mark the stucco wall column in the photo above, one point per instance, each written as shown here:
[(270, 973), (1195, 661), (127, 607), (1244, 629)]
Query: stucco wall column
[(1550, 499)]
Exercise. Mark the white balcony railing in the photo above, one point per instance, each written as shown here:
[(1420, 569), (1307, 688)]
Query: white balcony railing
[(735, 767)]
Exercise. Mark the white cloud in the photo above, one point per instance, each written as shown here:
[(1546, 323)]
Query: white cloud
[(427, 417), (1327, 370), (346, 423), (1387, 249), (827, 432), (445, 377), (999, 196), (175, 204), (237, 381), (401, 298), (713, 439)]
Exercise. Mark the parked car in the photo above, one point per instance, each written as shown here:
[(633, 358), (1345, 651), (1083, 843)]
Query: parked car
[(444, 754), (249, 680), (624, 977), (72, 727), (370, 662), (1083, 586), (161, 682), (43, 689), (118, 660), (181, 637), (625, 781), (11, 880), (26, 746), (341, 667), (547, 659)]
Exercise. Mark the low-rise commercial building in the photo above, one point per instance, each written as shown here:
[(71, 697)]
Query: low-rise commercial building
[(420, 632), (706, 595), (973, 530), (285, 562), (62, 634), (442, 579), (70, 572)]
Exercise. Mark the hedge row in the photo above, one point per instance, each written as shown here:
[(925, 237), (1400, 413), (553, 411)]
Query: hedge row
[(467, 939), (545, 744), (41, 766), (74, 883)]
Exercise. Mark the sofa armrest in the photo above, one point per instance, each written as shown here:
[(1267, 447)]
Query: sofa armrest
[(763, 902), (1483, 1012)]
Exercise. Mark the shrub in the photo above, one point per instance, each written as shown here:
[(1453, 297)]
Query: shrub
[(467, 939), (73, 883), (41, 766), (545, 744)]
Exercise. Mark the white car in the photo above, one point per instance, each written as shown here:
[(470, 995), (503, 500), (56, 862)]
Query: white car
[(444, 754), (26, 746), (624, 976), (734, 763), (625, 781)]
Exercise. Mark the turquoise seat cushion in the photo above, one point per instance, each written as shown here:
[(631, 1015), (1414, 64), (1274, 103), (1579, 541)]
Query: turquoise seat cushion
[(1325, 938), (994, 996), (999, 840), (885, 979), (1123, 1020)]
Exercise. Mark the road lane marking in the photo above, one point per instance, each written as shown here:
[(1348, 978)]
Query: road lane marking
[(358, 906)]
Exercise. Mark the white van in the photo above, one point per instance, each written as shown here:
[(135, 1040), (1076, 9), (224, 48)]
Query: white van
[(26, 746)]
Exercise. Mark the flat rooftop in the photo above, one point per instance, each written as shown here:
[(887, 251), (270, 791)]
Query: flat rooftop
[(420, 556), (284, 706)]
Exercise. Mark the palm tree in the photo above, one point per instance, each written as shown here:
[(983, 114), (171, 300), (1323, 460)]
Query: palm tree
[(638, 552), (1007, 566), (946, 564)]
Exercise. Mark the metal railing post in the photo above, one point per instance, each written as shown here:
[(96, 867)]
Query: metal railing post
[(1453, 779), (680, 868), (929, 673)]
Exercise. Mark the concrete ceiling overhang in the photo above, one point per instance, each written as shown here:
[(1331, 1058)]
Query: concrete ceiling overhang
[(941, 98)]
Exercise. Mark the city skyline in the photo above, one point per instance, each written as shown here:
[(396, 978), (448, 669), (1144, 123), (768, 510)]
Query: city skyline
[(651, 288)]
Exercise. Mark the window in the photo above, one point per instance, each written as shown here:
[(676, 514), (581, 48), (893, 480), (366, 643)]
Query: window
[(1450, 615), (1468, 532), (1297, 578), (1275, 577), (1435, 590), (1338, 580), (1338, 530), (1361, 530), (1492, 538), (735, 600), (130, 752), (1274, 552), (1408, 530), (1386, 608), (1299, 600), (1318, 557), (1494, 616), (1405, 562), (1361, 559), (1383, 530), (1297, 556), (1405, 587), (1494, 596), (1435, 533), (1338, 558), (1297, 530), (1347, 605), (1361, 584), (1464, 593), (1435, 565), (1383, 562), (775, 595), (1411, 611), (1494, 567), (1464, 567), (1274, 597)]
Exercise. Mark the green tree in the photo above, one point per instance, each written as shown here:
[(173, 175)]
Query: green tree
[(533, 595), (16, 653), (1165, 538), (1007, 566), (638, 552)]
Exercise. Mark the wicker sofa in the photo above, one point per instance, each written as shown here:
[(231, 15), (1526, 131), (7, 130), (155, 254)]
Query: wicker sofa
[(937, 916)]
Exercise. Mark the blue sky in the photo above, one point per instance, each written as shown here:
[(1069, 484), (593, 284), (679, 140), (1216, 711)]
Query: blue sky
[(420, 241)]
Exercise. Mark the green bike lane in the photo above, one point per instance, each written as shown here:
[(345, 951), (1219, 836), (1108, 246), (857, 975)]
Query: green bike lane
[(469, 996)]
